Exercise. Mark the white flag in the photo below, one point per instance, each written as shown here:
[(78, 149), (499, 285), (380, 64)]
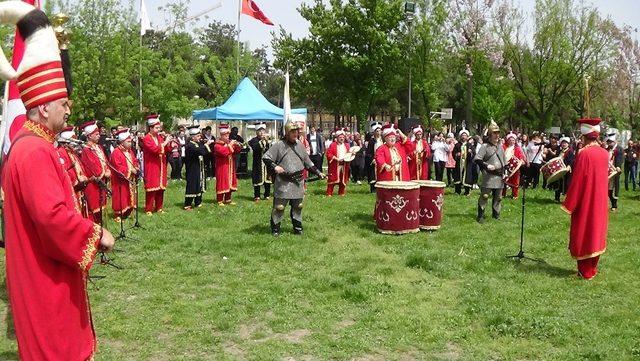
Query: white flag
[(287, 99), (145, 23)]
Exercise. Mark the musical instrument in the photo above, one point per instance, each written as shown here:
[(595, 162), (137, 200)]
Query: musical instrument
[(351, 155), (513, 165), (431, 204), (613, 171), (554, 170), (397, 207)]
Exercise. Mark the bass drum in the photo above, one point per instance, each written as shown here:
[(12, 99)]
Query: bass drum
[(431, 204), (397, 207)]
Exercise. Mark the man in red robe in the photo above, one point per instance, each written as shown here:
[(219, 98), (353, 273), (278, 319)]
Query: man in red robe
[(419, 152), (225, 152), (125, 168), (511, 150), (95, 161), (338, 172), (587, 201), (67, 143), (391, 159), (154, 148), (49, 245)]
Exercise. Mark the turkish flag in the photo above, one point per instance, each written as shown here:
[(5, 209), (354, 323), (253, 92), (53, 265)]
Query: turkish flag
[(14, 114), (249, 7)]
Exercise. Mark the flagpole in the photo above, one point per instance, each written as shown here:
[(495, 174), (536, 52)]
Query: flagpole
[(238, 43), (140, 72)]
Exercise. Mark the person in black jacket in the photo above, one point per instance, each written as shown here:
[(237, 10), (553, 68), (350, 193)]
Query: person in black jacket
[(260, 177), (316, 142), (195, 152), (568, 156), (617, 159), (375, 141)]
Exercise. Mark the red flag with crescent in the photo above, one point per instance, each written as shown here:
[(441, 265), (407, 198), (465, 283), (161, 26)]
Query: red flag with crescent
[(249, 7)]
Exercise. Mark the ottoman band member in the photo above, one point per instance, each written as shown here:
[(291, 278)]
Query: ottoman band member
[(195, 153)]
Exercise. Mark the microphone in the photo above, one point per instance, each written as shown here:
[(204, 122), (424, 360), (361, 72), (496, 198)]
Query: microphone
[(541, 143)]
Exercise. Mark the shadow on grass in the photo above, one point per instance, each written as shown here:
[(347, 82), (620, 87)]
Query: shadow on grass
[(544, 267), (542, 201), (364, 221), (259, 229)]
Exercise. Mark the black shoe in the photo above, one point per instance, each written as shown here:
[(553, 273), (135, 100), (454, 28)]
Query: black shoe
[(297, 227), (480, 217), (495, 216), (275, 229), (297, 232)]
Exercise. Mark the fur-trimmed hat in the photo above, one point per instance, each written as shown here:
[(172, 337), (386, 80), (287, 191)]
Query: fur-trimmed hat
[(40, 75)]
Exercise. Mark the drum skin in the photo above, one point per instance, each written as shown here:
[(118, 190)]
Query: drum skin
[(397, 207), (431, 204)]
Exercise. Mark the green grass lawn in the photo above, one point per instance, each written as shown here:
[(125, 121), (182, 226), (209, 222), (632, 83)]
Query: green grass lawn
[(213, 284)]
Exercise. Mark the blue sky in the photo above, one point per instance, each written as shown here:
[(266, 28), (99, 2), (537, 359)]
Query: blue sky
[(283, 12)]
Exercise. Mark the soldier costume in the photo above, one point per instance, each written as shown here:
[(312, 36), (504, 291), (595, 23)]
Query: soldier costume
[(490, 159), (289, 186)]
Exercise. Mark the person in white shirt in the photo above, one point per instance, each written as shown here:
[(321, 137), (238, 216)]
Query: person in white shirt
[(440, 155), (535, 151), (317, 143)]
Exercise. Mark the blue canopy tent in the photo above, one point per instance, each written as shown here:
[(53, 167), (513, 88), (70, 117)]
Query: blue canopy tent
[(246, 103)]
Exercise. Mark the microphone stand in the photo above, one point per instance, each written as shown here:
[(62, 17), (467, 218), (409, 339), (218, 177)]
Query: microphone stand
[(521, 255), (122, 234)]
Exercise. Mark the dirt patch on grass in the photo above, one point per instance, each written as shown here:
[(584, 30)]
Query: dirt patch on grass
[(344, 324), (452, 352), (234, 350), (263, 333)]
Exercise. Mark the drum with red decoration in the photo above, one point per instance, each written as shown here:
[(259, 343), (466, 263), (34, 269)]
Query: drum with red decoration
[(513, 165), (397, 207), (554, 170), (431, 204)]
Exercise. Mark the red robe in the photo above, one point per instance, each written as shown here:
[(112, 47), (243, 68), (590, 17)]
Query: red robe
[(307, 147), (514, 180), (123, 197), (73, 166), (225, 154), (385, 158), (95, 163), (338, 172), (587, 202), (418, 162), (155, 163), (49, 250)]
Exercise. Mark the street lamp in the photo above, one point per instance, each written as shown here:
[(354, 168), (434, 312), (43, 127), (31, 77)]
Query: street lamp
[(409, 12)]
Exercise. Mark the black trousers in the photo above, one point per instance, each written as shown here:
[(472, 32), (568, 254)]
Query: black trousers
[(317, 160), (459, 187), (450, 176), (267, 191), (534, 174), (439, 166), (176, 167), (357, 172), (196, 201)]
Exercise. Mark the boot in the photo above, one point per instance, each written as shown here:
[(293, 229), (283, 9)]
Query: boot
[(297, 227), (275, 229), (480, 217), (495, 215)]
